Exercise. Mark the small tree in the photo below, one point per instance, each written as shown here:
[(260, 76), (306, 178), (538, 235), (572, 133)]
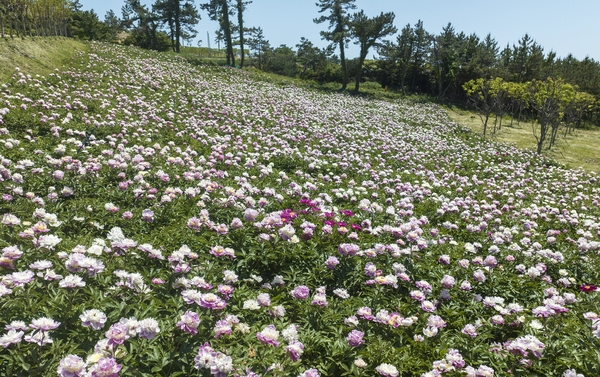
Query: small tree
[(86, 25), (282, 61), (259, 45), (545, 101)]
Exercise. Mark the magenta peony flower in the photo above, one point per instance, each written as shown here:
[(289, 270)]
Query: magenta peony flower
[(222, 327), (332, 262)]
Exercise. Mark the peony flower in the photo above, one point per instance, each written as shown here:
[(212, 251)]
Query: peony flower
[(222, 327), (355, 338), (588, 288), (269, 335), (44, 324), (312, 372), (295, 350), (105, 367), (470, 330), (11, 337), (148, 328), (117, 334), (93, 318), (387, 370), (301, 292), (189, 322), (205, 357), (71, 281), (332, 262), (71, 366)]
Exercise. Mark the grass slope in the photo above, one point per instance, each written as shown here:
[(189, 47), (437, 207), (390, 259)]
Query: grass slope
[(36, 55)]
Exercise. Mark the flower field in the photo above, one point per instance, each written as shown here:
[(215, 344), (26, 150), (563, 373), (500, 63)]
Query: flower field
[(164, 220)]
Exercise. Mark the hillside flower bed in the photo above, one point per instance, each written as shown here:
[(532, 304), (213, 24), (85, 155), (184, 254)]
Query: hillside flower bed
[(163, 220)]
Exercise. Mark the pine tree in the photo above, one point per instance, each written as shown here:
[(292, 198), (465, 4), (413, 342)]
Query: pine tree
[(338, 19), (367, 32)]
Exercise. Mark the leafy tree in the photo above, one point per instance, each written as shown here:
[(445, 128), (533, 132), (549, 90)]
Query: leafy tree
[(403, 52), (444, 58), (338, 20), (488, 96), (422, 43), (367, 32), (87, 25), (487, 56), (113, 24), (35, 17), (577, 106), (525, 61), (545, 100), (282, 61)]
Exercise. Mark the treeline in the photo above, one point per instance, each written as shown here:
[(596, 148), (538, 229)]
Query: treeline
[(21, 18)]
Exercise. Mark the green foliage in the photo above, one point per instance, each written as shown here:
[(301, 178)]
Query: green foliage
[(160, 41), (282, 61), (87, 26)]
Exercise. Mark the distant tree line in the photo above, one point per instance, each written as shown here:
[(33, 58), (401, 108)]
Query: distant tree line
[(450, 66), (27, 18)]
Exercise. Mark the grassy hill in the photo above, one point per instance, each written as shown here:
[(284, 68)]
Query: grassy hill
[(36, 56), (164, 219)]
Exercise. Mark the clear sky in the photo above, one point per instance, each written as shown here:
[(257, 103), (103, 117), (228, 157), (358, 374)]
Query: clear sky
[(564, 26)]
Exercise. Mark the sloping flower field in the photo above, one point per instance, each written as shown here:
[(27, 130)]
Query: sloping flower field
[(164, 220)]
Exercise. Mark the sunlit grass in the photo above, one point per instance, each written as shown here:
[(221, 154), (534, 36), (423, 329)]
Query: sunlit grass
[(580, 149)]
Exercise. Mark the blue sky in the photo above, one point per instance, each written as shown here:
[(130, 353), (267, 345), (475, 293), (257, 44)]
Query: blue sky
[(560, 25)]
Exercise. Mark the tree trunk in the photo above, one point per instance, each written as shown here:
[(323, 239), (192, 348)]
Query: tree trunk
[(10, 27), (361, 61), (2, 25), (240, 10), (23, 28), (344, 67), (227, 30), (487, 116), (177, 26), (404, 71), (542, 137)]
